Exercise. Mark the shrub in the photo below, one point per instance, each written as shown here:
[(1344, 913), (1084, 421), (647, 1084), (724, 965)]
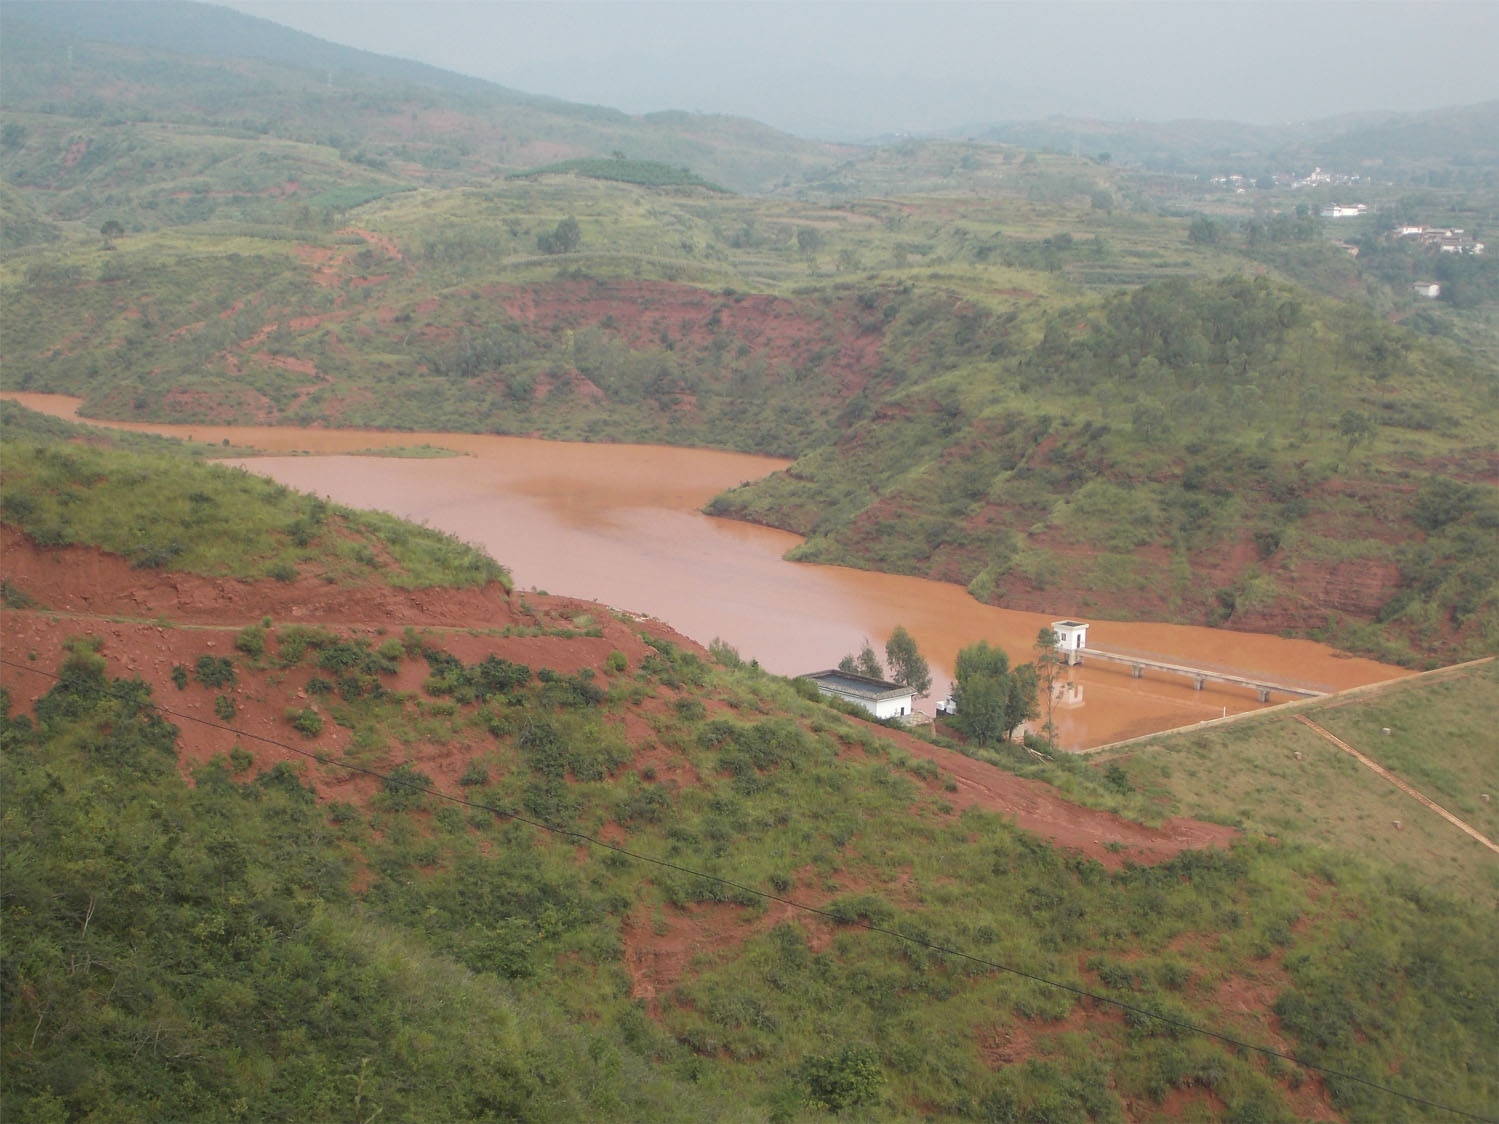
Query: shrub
[(223, 706), (306, 721), (724, 654), (251, 641), (867, 908), (576, 690), (402, 788), (1116, 778), (849, 1078), (616, 662), (341, 655), (179, 676), (293, 642), (215, 671), (646, 804), (474, 774)]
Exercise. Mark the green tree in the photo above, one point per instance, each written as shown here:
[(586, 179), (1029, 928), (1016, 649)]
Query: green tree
[(1048, 664), (1020, 698), (1149, 420), (1356, 428), (992, 699), (849, 1078), (1204, 231), (564, 238), (867, 662), (907, 665), (980, 688)]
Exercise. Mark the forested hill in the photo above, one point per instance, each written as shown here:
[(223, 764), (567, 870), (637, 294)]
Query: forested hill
[(208, 31)]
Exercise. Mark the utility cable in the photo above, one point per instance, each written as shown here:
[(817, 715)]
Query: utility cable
[(930, 946)]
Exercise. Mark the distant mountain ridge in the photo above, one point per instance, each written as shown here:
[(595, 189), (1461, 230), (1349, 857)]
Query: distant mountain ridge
[(144, 61), (1388, 140), (212, 31)]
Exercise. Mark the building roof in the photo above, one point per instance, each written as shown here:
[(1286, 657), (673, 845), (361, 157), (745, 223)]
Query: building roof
[(847, 683)]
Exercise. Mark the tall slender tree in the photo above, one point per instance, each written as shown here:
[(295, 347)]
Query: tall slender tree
[(907, 665), (1048, 661)]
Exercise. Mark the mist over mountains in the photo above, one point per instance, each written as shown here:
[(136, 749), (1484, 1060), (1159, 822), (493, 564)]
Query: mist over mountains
[(854, 72)]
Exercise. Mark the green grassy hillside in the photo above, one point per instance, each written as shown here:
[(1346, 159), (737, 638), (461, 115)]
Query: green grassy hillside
[(429, 874), (1279, 777), (1229, 452)]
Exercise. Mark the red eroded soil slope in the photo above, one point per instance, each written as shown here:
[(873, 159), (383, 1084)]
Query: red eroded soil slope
[(152, 620)]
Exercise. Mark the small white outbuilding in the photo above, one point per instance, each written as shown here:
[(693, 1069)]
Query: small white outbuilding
[(1072, 638), (881, 698)]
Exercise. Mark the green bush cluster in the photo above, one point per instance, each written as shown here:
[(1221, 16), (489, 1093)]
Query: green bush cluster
[(215, 671), (305, 720), (490, 677)]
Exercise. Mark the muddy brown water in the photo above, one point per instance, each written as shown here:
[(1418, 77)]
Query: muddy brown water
[(621, 524)]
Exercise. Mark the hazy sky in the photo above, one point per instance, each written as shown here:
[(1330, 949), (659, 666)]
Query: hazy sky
[(852, 68)]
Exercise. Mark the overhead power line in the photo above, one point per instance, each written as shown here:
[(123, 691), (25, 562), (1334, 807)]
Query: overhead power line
[(666, 864)]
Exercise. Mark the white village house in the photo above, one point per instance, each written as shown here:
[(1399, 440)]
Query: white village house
[(880, 698)]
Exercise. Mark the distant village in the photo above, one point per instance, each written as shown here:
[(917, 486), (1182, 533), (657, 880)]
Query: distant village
[(1447, 239), (1437, 239), (1317, 178)]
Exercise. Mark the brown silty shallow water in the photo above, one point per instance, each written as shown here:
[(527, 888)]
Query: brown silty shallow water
[(621, 524)]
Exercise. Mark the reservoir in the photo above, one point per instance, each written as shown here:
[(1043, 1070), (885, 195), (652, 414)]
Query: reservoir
[(621, 524)]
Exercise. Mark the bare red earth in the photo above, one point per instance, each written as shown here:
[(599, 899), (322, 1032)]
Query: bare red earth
[(150, 620)]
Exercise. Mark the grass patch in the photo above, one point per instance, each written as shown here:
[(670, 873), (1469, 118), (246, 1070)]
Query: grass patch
[(165, 510), (1275, 776)]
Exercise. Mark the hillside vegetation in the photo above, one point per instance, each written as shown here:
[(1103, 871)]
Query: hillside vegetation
[(535, 860), (1064, 384)]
